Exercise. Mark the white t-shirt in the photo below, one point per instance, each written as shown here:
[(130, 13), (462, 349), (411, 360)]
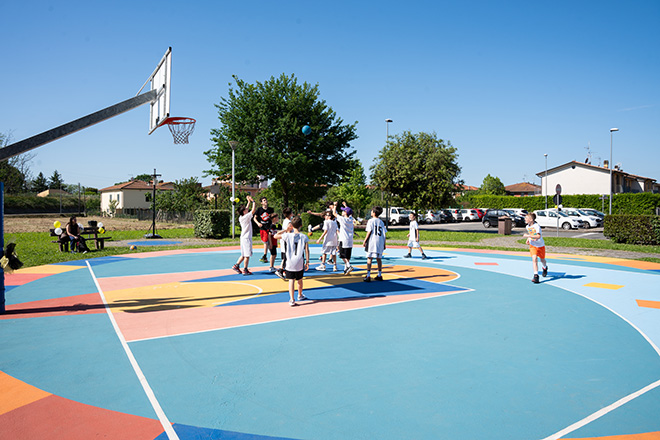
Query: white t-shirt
[(376, 243), (285, 226), (330, 239), (413, 230), (346, 229), (294, 248), (246, 225), (535, 229)]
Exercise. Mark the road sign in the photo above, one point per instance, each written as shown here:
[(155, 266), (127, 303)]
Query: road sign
[(556, 199), (558, 189)]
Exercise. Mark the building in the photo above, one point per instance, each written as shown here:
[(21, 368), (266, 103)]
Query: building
[(523, 189), (241, 187), (130, 197), (53, 192), (584, 178)]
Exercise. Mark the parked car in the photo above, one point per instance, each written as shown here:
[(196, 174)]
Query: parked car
[(518, 211), (593, 212), (398, 216), (481, 212), (456, 213), (518, 218), (590, 221), (492, 217), (430, 217), (470, 215), (444, 217), (550, 218), (448, 215)]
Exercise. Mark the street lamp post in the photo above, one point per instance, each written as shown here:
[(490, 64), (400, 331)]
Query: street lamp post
[(233, 145), (546, 180), (612, 130), (387, 129), (387, 202)]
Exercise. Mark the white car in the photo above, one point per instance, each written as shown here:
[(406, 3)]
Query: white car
[(550, 218), (590, 221), (397, 215), (429, 217), (470, 215), (517, 211)]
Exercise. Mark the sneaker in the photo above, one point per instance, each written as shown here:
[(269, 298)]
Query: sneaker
[(407, 256), (424, 257), (271, 270), (545, 272), (280, 274), (302, 297), (236, 268), (367, 279), (535, 280), (334, 269), (379, 278), (348, 270), (320, 267), (263, 259), (246, 272), (292, 303)]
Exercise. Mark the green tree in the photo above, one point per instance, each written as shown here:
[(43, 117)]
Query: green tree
[(492, 186), (55, 181), (14, 172), (266, 119), (420, 169), (187, 196), (144, 177), (40, 183), (353, 188)]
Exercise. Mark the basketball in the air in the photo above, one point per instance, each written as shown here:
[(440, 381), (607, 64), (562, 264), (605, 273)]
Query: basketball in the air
[(306, 130)]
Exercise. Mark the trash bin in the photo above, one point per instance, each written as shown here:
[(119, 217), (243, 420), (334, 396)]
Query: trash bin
[(504, 225)]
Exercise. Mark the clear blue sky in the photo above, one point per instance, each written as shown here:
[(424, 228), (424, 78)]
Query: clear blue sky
[(504, 81)]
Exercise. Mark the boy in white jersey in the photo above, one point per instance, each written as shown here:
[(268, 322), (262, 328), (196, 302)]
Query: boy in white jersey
[(374, 243), (296, 246), (413, 236), (329, 238), (245, 220), (287, 214), (345, 236), (536, 245)]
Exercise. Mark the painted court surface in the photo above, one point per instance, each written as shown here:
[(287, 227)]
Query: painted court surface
[(460, 346)]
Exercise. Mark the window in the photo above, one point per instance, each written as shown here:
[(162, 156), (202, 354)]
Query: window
[(540, 214)]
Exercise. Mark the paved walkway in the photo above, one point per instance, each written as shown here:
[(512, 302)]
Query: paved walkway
[(175, 344)]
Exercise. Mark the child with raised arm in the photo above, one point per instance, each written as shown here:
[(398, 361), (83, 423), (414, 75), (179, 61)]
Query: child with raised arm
[(245, 220), (286, 226), (374, 242), (296, 247), (413, 236), (272, 241), (329, 238), (345, 236), (536, 246)]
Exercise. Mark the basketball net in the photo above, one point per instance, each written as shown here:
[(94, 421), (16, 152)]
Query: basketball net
[(180, 128)]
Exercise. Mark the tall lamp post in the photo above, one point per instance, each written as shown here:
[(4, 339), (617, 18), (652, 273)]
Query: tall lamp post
[(546, 180), (387, 203), (387, 129), (612, 130), (233, 145)]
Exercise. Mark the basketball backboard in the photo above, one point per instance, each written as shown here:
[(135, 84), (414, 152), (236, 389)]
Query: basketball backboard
[(160, 82)]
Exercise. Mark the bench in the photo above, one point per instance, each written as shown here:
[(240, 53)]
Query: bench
[(91, 232)]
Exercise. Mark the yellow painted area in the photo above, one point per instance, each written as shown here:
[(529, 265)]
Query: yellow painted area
[(649, 304), (176, 295), (50, 269), (604, 286), (16, 393)]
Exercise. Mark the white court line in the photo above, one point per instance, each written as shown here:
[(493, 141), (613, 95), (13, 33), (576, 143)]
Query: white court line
[(602, 412), (167, 426), (259, 292)]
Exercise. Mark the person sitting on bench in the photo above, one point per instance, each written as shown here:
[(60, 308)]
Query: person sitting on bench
[(77, 241)]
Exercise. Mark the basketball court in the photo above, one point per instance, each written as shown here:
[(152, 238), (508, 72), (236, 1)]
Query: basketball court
[(175, 344)]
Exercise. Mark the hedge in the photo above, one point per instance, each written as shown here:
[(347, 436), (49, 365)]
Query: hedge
[(633, 229), (31, 204), (630, 204), (211, 223)]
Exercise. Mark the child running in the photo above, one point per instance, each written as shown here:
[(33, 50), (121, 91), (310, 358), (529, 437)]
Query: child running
[(413, 236), (296, 247), (536, 246), (329, 238), (245, 220), (374, 242), (346, 231)]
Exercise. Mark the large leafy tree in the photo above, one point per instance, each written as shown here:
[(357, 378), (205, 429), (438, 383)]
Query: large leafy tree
[(353, 188), (266, 119), (187, 196), (492, 186), (419, 168)]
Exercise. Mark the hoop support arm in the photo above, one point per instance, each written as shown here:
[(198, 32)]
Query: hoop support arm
[(86, 121)]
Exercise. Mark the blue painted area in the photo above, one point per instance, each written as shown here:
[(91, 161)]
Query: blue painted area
[(185, 432), (153, 243), (76, 357), (523, 362), (75, 282)]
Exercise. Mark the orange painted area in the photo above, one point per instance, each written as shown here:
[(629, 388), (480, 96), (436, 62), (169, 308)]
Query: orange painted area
[(56, 418), (65, 306), (649, 304), (486, 264), (643, 436), (15, 393), (18, 279), (604, 286)]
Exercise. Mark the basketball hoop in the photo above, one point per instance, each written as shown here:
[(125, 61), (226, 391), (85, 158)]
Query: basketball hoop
[(180, 128)]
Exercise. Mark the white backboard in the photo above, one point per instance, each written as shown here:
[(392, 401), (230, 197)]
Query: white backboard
[(159, 110)]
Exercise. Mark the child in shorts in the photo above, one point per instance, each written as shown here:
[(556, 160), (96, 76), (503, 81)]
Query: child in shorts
[(272, 241), (296, 247), (286, 226), (374, 242), (245, 220), (413, 236), (345, 235), (536, 246)]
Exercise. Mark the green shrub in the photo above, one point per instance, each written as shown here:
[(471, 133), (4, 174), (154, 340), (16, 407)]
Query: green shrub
[(632, 229), (211, 223)]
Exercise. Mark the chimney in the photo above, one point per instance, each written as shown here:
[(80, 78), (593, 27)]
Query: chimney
[(606, 164)]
